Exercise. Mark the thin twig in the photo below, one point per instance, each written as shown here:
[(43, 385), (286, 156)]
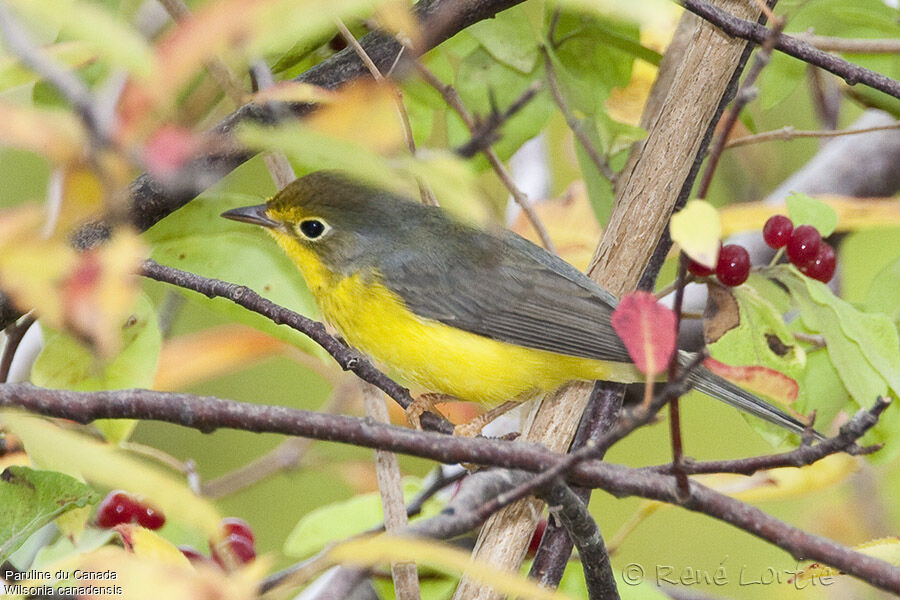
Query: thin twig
[(284, 457), (207, 414), (851, 45), (72, 89), (347, 358), (218, 70), (795, 47), (674, 414), (745, 94), (390, 486), (451, 97), (574, 124), (844, 441), (425, 192), (787, 134), (14, 334)]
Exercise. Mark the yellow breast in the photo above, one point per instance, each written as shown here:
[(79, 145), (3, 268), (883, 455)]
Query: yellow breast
[(435, 356)]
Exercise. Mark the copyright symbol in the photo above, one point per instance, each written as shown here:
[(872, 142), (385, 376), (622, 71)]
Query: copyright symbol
[(633, 574)]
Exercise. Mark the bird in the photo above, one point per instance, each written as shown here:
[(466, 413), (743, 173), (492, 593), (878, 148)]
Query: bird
[(463, 312)]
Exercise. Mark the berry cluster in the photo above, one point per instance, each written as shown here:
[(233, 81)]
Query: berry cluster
[(121, 507), (804, 247), (234, 546)]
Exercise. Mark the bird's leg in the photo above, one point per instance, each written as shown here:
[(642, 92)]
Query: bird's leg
[(424, 403), (472, 428)]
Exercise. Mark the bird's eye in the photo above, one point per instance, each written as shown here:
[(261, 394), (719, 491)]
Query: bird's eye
[(312, 228)]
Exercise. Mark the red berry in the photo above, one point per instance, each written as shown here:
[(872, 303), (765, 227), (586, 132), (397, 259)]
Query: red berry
[(803, 245), (234, 550), (150, 517), (777, 231), (823, 265), (194, 555), (536, 537), (734, 265), (118, 507), (695, 268), (236, 526)]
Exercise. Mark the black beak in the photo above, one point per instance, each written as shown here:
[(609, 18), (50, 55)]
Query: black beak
[(255, 215)]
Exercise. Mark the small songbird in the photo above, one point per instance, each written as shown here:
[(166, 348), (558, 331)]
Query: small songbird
[(453, 308)]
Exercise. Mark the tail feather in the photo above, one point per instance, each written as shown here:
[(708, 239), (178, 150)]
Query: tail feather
[(709, 383)]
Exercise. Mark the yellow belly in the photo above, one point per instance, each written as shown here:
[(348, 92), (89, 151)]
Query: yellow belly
[(440, 358)]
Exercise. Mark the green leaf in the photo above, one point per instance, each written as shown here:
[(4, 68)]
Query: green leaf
[(805, 210), (480, 78), (30, 499), (70, 54), (66, 364), (863, 347), (509, 38), (342, 520), (198, 240), (110, 37), (108, 466), (884, 293), (587, 65)]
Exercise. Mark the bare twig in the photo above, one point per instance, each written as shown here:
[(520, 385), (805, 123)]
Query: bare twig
[(347, 358), (851, 45), (72, 89), (787, 134), (565, 505), (674, 414), (284, 457), (745, 94), (795, 47), (600, 415), (453, 101), (390, 486), (424, 191), (844, 441), (574, 124), (207, 414), (218, 70)]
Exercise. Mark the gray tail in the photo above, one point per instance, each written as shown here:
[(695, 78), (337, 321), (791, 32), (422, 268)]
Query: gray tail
[(709, 383)]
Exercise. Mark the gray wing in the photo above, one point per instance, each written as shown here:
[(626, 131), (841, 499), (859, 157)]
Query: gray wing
[(516, 293)]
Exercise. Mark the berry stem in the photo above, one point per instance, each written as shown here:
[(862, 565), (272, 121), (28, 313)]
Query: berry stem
[(778, 254)]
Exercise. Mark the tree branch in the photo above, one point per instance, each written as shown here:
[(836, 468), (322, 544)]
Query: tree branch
[(795, 47), (207, 414), (440, 19), (348, 358)]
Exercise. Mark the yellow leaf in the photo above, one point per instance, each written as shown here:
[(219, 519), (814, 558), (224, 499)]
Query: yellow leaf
[(100, 291), (32, 266), (148, 544), (853, 213), (55, 134), (571, 223), (886, 549), (786, 482), (364, 112), (697, 229), (379, 549), (110, 467), (196, 357), (396, 17), (148, 578)]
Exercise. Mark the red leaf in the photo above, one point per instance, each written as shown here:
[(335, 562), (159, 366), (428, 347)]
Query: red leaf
[(758, 379), (168, 149), (648, 330)]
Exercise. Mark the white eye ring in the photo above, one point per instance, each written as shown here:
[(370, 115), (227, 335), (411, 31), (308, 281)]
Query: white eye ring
[(313, 228)]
